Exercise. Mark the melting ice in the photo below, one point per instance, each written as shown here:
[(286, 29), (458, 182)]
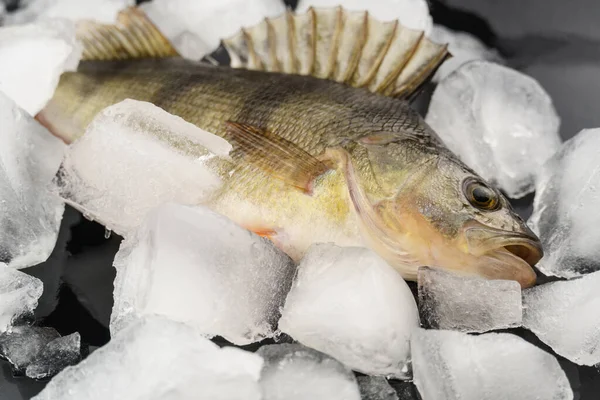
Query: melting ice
[(21, 345), (55, 356), (100, 10)]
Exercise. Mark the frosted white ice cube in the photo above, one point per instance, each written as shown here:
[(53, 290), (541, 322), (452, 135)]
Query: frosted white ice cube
[(467, 304), (197, 266), (32, 58), (156, 358), (499, 121), (135, 156), (19, 294), (451, 365), (210, 21), (99, 10), (296, 372), (564, 315), (412, 14), (55, 356), (376, 388), (565, 210), (29, 215), (349, 303), (21, 345)]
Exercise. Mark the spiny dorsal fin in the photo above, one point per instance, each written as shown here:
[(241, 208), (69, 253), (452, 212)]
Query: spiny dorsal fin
[(345, 46), (133, 36), (276, 156)]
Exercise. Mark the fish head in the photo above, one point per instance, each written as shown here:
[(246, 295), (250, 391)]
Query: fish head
[(435, 211)]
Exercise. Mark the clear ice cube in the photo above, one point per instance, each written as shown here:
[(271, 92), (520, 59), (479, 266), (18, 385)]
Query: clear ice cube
[(135, 156), (376, 388), (467, 304), (56, 356), (565, 215), (29, 214), (157, 359), (296, 372), (500, 122), (450, 365), (349, 303), (22, 344), (99, 10), (564, 315), (19, 294), (196, 266)]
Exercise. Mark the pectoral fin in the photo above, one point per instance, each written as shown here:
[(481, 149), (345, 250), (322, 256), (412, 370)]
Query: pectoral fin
[(276, 156)]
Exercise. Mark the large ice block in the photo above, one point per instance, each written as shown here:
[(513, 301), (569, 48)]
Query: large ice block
[(499, 121), (19, 294), (98, 10), (451, 365), (32, 58), (157, 359), (55, 356), (296, 372), (21, 345), (565, 210), (467, 304), (29, 215), (564, 315), (349, 303), (197, 266), (135, 156)]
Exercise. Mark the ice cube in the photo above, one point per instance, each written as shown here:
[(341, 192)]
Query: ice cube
[(190, 46), (29, 215), (376, 388), (56, 356), (412, 14), (156, 358), (99, 10), (32, 58), (197, 266), (349, 303), (498, 121), (564, 315), (296, 372), (467, 304), (565, 215), (494, 366), (19, 294), (464, 47), (135, 156), (22, 344), (210, 21)]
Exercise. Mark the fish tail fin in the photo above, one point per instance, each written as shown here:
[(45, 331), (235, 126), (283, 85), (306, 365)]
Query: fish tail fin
[(349, 47)]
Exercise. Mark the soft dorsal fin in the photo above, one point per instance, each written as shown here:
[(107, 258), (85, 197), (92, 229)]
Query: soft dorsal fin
[(133, 36), (345, 46)]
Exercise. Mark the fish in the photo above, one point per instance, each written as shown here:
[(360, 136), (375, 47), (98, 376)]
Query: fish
[(326, 146)]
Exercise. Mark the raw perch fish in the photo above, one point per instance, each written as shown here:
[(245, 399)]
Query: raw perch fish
[(158, 359), (295, 372), (29, 215), (19, 295), (564, 315), (134, 157), (565, 209), (196, 266), (467, 304), (99, 10), (349, 303), (451, 365), (499, 121), (21, 345), (56, 356)]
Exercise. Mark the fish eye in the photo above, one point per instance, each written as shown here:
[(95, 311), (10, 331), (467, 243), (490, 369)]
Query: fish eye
[(480, 195)]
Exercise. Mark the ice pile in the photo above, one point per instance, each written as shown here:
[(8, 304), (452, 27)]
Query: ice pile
[(32, 58), (56, 356), (376, 388), (19, 294), (155, 358), (564, 315), (197, 266), (464, 47), (349, 303), (100, 10), (565, 210), (451, 365), (295, 372), (21, 345), (411, 13), (135, 156), (29, 215), (498, 121), (467, 304)]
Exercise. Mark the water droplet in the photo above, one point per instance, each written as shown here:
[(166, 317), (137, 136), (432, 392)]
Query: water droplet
[(107, 233)]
